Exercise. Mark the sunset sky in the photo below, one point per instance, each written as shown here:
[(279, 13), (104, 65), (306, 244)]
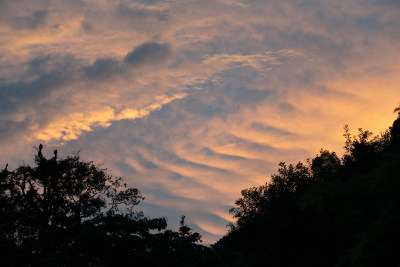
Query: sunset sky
[(194, 100)]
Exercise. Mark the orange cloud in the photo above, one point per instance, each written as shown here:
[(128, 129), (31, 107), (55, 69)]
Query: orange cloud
[(73, 125), (238, 86)]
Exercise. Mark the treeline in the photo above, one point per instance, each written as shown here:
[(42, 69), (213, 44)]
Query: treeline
[(67, 212), (328, 211), (325, 212)]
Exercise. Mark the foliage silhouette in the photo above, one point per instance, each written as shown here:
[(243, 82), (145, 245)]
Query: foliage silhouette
[(67, 212), (327, 212)]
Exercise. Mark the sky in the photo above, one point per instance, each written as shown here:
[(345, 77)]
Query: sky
[(192, 101)]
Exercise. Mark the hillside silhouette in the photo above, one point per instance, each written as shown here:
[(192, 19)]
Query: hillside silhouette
[(327, 211)]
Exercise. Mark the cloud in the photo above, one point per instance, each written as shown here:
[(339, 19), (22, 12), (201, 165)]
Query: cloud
[(148, 2), (35, 86), (74, 124), (390, 3), (269, 129), (103, 69), (52, 77), (31, 21), (131, 16), (148, 54), (142, 13), (185, 100)]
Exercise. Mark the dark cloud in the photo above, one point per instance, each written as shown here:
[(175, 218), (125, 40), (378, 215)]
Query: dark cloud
[(392, 3), (124, 16), (148, 2), (29, 22), (140, 14), (145, 54), (142, 19), (169, 157), (312, 42), (31, 100), (4, 10), (243, 95), (39, 63), (369, 23), (87, 26), (34, 92), (103, 68), (269, 129), (212, 154), (214, 100), (51, 63), (46, 73), (144, 162), (148, 53), (8, 128), (27, 102), (201, 108), (286, 107), (163, 192), (126, 168)]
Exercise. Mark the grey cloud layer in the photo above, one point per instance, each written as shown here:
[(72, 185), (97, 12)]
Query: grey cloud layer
[(49, 72), (148, 54), (220, 91), (30, 21), (52, 86)]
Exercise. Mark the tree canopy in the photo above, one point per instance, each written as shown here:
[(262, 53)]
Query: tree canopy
[(325, 212), (71, 212)]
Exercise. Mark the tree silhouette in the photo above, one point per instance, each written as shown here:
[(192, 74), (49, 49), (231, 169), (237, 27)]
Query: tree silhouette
[(328, 212), (72, 213), (397, 109)]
